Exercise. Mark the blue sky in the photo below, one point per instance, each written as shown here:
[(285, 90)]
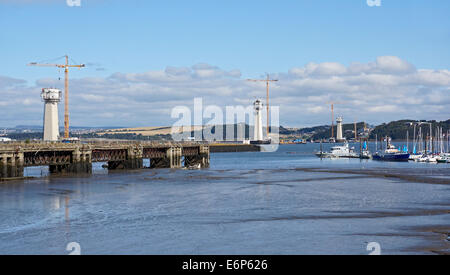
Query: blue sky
[(250, 36)]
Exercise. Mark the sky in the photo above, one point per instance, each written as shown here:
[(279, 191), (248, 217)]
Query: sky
[(145, 57)]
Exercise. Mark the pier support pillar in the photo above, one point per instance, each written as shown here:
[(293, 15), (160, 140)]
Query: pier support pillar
[(174, 155), (205, 153), (11, 165), (3, 166)]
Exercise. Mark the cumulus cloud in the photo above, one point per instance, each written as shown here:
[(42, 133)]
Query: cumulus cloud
[(388, 88), (323, 69), (393, 64)]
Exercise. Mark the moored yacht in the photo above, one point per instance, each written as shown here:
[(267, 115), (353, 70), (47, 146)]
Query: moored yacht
[(444, 158), (339, 152), (415, 157), (391, 153)]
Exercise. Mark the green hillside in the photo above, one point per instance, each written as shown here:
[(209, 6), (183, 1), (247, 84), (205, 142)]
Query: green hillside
[(398, 129)]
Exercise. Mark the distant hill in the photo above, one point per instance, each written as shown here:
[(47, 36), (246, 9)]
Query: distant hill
[(305, 131), (397, 129), (35, 127), (324, 132)]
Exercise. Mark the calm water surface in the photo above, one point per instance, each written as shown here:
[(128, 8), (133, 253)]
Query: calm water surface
[(287, 202)]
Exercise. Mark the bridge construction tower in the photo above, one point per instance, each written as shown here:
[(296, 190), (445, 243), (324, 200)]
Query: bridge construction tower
[(339, 136), (51, 97), (258, 130)]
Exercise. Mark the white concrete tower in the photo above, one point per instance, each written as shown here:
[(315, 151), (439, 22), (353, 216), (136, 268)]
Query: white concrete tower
[(51, 98), (258, 129), (339, 136)]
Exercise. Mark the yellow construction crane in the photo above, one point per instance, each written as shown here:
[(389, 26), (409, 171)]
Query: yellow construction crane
[(66, 86), (332, 115), (268, 80)]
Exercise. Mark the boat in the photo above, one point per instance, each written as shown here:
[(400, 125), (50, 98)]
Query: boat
[(339, 152), (429, 158), (423, 158), (391, 153), (365, 153), (432, 159), (415, 157), (443, 158)]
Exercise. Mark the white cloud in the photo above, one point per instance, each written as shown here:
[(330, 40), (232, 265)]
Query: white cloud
[(393, 64), (93, 98), (322, 69), (387, 89), (30, 101), (384, 109), (316, 109)]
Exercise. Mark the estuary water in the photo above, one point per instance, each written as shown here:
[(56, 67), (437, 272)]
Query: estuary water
[(286, 202)]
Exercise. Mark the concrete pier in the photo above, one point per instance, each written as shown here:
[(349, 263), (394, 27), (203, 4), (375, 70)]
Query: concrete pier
[(78, 158), (11, 164)]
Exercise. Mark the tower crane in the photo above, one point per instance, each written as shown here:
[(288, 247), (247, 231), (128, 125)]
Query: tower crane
[(332, 115), (66, 67), (267, 80)]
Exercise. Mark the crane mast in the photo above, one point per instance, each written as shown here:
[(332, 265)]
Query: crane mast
[(268, 80), (66, 67), (332, 116)]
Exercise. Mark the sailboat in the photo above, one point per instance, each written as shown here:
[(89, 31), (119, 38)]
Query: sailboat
[(365, 153), (417, 152), (442, 157), (391, 153)]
